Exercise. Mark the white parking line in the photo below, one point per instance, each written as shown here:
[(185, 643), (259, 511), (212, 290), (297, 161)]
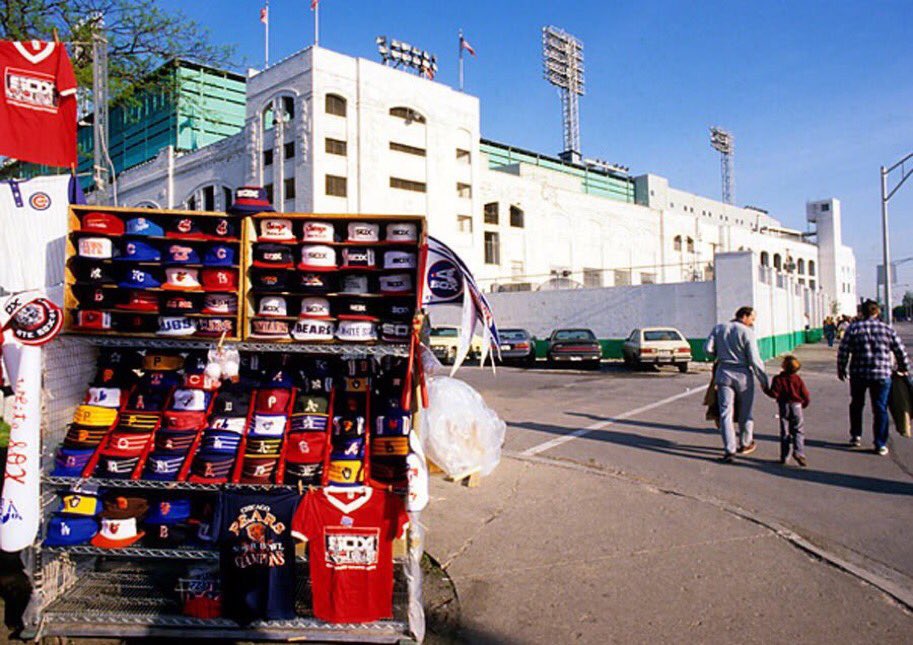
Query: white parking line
[(557, 441)]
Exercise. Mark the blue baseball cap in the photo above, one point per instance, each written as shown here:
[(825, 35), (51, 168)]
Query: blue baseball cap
[(143, 226), (70, 462), (221, 441), (167, 511), (138, 251), (178, 253), (67, 530), (212, 465), (137, 278), (163, 467), (219, 255)]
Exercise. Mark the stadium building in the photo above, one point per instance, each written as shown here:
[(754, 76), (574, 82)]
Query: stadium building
[(329, 133)]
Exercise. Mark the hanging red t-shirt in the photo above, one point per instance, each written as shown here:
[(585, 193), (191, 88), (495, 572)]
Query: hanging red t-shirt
[(38, 103), (350, 549)]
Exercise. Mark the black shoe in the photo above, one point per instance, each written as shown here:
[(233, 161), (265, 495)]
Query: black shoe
[(727, 458), (800, 459), (855, 442)]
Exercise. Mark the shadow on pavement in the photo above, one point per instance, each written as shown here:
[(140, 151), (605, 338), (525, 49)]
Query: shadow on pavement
[(706, 453)]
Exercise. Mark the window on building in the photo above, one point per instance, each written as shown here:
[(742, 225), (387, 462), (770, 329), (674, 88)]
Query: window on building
[(191, 203), (269, 119), (677, 243), (409, 150), (622, 278), (690, 245), (800, 266), (209, 198), (289, 150), (778, 261), (407, 114), (334, 104), (269, 192), (289, 186), (802, 281), (811, 268), (408, 184), (226, 197), (335, 186), (647, 278), (492, 248), (516, 216), (336, 147), (592, 278), (288, 108), (267, 157), (811, 284), (463, 156), (825, 208), (491, 213), (464, 190), (765, 259), (464, 223)]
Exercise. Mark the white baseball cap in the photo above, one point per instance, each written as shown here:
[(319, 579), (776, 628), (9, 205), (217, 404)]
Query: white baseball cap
[(95, 247), (186, 400), (182, 279), (317, 257), (276, 228), (360, 257), (318, 232), (402, 232), (363, 232), (399, 260), (308, 329), (315, 308), (356, 330), (272, 306), (220, 303)]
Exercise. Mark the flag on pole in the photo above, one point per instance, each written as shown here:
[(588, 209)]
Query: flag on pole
[(314, 4), (464, 44), (264, 15)]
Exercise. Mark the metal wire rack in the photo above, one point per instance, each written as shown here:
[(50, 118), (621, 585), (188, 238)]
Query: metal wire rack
[(137, 552), (149, 484)]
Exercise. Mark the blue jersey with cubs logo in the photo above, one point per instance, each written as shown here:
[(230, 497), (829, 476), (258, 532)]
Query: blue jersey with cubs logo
[(257, 554)]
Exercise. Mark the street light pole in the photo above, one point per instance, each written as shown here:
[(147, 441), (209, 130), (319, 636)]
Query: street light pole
[(886, 196)]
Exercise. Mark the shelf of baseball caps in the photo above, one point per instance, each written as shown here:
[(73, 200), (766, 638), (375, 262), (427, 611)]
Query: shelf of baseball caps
[(332, 278), (153, 273)]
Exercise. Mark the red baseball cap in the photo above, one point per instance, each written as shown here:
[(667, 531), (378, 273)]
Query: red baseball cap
[(96, 222), (306, 447), (175, 420), (272, 401), (140, 301), (219, 279)]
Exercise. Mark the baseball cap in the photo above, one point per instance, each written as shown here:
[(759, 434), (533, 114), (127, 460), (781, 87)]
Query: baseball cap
[(355, 309), (357, 257), (186, 400), (317, 257), (395, 332), (182, 279), (221, 228), (157, 361), (94, 416), (99, 248), (309, 422), (310, 404), (396, 283), (314, 307), (393, 425), (313, 330), (219, 255), (220, 303), (215, 327), (138, 300), (389, 446), (142, 226), (228, 423), (143, 400), (180, 303), (399, 260), (184, 227), (311, 282), (90, 319), (116, 466), (177, 253), (263, 447), (166, 536), (222, 441), (276, 229), (175, 420), (258, 470), (138, 251), (268, 280), (348, 425), (268, 425), (69, 530), (105, 397), (390, 470), (176, 326), (80, 436), (272, 306), (212, 465), (70, 462), (79, 504), (106, 223), (137, 278), (126, 443), (362, 232), (135, 324), (249, 200), (345, 472), (305, 447), (356, 284), (117, 533), (215, 279), (265, 328), (92, 272), (272, 401), (303, 473), (401, 232), (140, 421), (120, 507), (401, 310), (169, 511), (162, 466), (172, 441), (232, 402), (273, 256), (318, 232), (348, 447)]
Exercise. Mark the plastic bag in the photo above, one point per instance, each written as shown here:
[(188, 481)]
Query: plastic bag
[(460, 433)]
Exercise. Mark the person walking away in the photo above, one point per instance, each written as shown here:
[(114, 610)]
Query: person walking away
[(830, 331), (792, 397), (867, 349), (842, 326), (739, 362)]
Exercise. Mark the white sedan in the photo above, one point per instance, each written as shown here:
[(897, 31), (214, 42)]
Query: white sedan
[(657, 346)]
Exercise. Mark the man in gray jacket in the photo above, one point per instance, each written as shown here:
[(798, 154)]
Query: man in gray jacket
[(734, 346)]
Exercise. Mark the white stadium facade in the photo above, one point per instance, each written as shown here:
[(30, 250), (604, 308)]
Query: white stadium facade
[(329, 133)]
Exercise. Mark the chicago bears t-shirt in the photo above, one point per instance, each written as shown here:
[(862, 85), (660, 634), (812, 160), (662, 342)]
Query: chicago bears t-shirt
[(257, 554), (350, 549)]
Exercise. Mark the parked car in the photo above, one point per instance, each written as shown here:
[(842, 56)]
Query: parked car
[(517, 345), (445, 339), (657, 346), (574, 345)]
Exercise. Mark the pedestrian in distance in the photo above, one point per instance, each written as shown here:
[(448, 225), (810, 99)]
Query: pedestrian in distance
[(842, 326), (792, 397), (734, 347), (868, 349), (830, 331)]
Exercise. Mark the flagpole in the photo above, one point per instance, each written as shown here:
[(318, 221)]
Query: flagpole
[(316, 23), (461, 60), (266, 40)]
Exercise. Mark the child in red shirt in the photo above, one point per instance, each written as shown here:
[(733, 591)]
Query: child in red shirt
[(792, 396)]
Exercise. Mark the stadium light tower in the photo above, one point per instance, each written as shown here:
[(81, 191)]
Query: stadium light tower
[(724, 142), (562, 63), (396, 53)]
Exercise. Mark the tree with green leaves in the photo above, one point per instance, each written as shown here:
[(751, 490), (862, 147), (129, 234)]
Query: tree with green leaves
[(141, 37)]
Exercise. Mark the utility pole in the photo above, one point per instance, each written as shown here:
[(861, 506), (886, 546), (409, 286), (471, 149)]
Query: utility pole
[(886, 196)]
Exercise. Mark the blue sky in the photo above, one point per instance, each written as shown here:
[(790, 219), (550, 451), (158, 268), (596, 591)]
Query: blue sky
[(818, 94)]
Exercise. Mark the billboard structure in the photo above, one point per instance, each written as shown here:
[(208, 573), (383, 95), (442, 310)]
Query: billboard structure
[(562, 63)]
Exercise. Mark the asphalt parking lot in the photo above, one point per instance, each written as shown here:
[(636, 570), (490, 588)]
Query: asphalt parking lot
[(645, 431)]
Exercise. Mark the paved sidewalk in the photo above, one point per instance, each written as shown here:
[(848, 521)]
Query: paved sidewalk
[(545, 552)]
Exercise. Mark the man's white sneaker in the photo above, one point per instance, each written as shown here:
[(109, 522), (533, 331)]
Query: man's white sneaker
[(882, 451)]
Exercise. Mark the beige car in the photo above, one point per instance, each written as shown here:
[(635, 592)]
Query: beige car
[(657, 346), (445, 340)]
